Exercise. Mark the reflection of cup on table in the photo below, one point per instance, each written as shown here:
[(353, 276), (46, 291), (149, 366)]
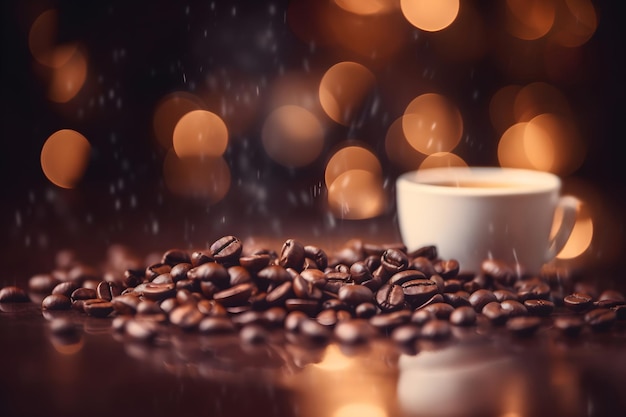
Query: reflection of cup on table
[(472, 214)]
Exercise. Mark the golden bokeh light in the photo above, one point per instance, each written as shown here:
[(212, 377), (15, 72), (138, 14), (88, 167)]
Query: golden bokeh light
[(530, 19), (538, 98), (399, 151), (582, 234), (502, 107), (68, 78), (361, 410), (292, 136), (200, 133), (168, 112), (432, 123), (430, 15), (357, 194), (511, 148), (348, 158), (42, 41), (367, 7), (576, 23), (197, 177), (64, 157), (442, 160), (343, 89)]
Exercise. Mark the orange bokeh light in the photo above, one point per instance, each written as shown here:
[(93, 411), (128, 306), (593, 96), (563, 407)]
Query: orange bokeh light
[(348, 158), (68, 78), (42, 41), (538, 98), (343, 89), (501, 108), (356, 194), (530, 19), (293, 136), (168, 112), (399, 151), (64, 157), (432, 123), (367, 7), (200, 133), (442, 160), (576, 23), (430, 15)]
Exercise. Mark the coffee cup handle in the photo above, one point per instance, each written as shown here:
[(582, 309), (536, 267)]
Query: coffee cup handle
[(569, 206)]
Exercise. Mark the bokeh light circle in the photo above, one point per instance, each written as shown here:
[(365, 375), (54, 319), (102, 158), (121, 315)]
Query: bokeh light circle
[(530, 19), (349, 158), (399, 152), (430, 15), (64, 157), (356, 194), (432, 123), (443, 160), (68, 78), (168, 112), (343, 89), (292, 136), (200, 133)]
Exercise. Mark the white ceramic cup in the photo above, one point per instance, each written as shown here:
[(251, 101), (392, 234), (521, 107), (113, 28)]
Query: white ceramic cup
[(477, 213)]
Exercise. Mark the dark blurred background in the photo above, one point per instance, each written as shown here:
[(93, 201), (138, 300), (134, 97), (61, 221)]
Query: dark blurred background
[(235, 58)]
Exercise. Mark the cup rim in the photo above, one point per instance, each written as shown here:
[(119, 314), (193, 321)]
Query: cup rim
[(526, 181)]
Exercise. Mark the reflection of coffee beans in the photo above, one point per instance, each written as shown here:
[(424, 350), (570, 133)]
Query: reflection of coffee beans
[(351, 296)]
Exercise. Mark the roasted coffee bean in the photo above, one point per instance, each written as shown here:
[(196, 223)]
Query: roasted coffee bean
[(184, 296), (447, 268), (354, 294), (436, 330), (199, 258), (13, 294), (148, 307), (208, 288), (418, 291), (620, 312), (569, 325), (498, 271), (401, 277), (190, 285), (236, 295), (211, 308), (249, 317), (179, 271), (394, 260), (42, 283), (292, 255), (157, 269), (133, 277), (238, 275), (313, 330), (539, 307), (523, 326), (503, 295), (354, 331), (371, 262), (118, 324), (169, 304), (176, 256), (612, 295), (421, 317), (330, 318), (317, 254), (315, 277), (310, 307), (480, 298), (515, 308), (463, 316), (578, 301), (98, 307), (158, 292), (373, 284), (335, 280), (275, 316), (83, 293), (428, 252), (165, 278), (254, 263), (533, 290), (600, 319), (424, 265), (107, 290), (495, 313), (186, 316), (335, 304), (293, 320), (226, 250), (280, 294), (372, 249), (125, 304), (142, 330), (440, 310), (216, 325), (55, 302), (390, 297), (406, 334), (274, 275), (457, 299), (439, 281), (452, 285), (360, 272), (365, 310), (387, 321), (305, 289)]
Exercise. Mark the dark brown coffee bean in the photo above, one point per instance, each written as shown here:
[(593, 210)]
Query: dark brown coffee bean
[(278, 295), (142, 330), (394, 260), (452, 285), (373, 284), (118, 324), (355, 294), (330, 318), (254, 263), (83, 293), (406, 334), (480, 298), (275, 316), (315, 277), (238, 275), (169, 304), (600, 319), (314, 331), (418, 291), (305, 289), (424, 265), (390, 297), (440, 310), (13, 294), (158, 292), (208, 289), (428, 252), (56, 302), (211, 272), (157, 269), (211, 308), (199, 257), (125, 304), (216, 325), (503, 295), (439, 281), (387, 321), (244, 318), (539, 307), (494, 312), (274, 275), (226, 250), (293, 320), (436, 330), (335, 280), (463, 316), (318, 255), (523, 326), (335, 304), (106, 290), (179, 271), (186, 316), (360, 272), (401, 277), (352, 332), (578, 301), (515, 308), (292, 255), (235, 296), (457, 299), (165, 278), (569, 325), (611, 295), (309, 307), (620, 312), (421, 317), (447, 268), (42, 283), (176, 256), (98, 307), (533, 290), (365, 310), (371, 262), (498, 271), (133, 277)]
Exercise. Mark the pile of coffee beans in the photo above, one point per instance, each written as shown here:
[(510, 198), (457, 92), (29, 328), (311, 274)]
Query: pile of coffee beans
[(359, 292)]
